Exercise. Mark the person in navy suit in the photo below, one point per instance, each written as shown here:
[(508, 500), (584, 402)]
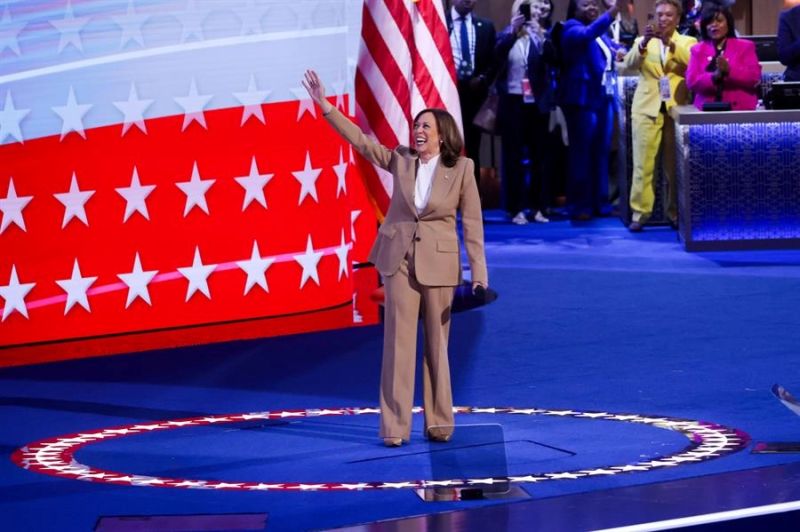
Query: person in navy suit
[(587, 96), (789, 43), (472, 40)]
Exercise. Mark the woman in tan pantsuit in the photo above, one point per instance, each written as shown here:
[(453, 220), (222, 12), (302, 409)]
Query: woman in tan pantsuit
[(417, 253)]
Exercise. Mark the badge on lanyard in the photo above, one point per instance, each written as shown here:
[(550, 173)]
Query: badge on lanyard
[(527, 91), (609, 82), (664, 88)]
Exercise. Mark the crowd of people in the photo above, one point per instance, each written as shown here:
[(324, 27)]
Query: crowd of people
[(556, 84), (556, 87)]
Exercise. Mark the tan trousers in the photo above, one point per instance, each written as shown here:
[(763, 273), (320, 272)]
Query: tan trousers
[(650, 134), (405, 300)]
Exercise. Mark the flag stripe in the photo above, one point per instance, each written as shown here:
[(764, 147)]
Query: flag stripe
[(405, 65)]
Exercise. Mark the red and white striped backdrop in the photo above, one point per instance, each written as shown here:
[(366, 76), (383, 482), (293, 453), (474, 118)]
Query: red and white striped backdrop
[(163, 179), (405, 65)]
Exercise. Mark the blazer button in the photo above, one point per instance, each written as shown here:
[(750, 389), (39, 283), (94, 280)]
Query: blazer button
[(417, 238)]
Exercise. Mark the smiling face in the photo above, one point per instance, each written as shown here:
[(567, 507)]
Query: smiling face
[(426, 136), (587, 11), (718, 28), (666, 18), (541, 8)]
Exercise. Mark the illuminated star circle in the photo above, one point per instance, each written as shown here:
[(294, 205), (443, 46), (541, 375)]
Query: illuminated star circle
[(56, 456)]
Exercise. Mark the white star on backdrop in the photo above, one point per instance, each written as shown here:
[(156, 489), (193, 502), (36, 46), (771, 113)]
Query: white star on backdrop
[(353, 217), (131, 25), (308, 180), (253, 185), (306, 103), (72, 115), (255, 268), (309, 261), (197, 275), (339, 90), (342, 251), (252, 100), (70, 28), (133, 108), (192, 22), (195, 190), (12, 206), (9, 32), (76, 287), (10, 117), (74, 202), (193, 106), (341, 174), (137, 282), (135, 196), (14, 295)]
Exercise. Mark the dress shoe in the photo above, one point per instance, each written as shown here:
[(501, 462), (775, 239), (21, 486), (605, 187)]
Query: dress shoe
[(635, 227), (539, 217), (439, 436), (519, 219), (673, 224), (393, 442)]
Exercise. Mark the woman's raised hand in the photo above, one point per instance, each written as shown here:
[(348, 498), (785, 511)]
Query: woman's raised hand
[(316, 90)]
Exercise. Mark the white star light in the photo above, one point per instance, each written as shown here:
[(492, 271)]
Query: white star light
[(308, 180), (306, 103), (9, 32), (192, 22), (10, 117), (131, 25), (195, 190), (14, 295), (341, 253), (133, 108), (74, 202), (353, 217), (193, 106), (255, 268), (252, 100), (309, 261), (135, 196), (76, 287), (338, 90), (137, 282), (70, 28), (197, 275), (253, 185), (12, 206), (341, 174), (72, 115)]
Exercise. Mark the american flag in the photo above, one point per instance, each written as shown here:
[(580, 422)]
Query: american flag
[(405, 65), (164, 179)]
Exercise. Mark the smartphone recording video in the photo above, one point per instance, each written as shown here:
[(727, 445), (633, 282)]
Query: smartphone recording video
[(525, 11)]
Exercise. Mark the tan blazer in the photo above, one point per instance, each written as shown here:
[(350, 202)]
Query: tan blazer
[(647, 98), (437, 257)]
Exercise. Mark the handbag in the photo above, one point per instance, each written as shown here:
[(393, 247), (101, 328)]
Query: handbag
[(486, 117)]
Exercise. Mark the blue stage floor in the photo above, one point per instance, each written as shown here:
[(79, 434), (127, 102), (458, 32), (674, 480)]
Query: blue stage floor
[(616, 376)]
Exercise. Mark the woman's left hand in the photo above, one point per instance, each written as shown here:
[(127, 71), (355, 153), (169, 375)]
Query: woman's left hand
[(476, 284)]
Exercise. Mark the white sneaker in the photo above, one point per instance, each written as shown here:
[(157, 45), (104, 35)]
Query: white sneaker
[(540, 218), (519, 219)]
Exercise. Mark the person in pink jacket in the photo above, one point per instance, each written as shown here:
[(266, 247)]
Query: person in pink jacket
[(723, 68)]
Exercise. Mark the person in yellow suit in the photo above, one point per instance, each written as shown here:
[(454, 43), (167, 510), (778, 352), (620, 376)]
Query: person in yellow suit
[(660, 56)]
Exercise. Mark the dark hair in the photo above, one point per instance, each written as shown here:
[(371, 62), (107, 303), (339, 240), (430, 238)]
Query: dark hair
[(548, 20), (452, 142), (709, 13), (573, 7)]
